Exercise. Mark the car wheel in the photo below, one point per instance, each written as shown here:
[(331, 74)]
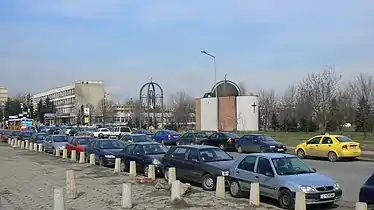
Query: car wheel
[(87, 158), (101, 161), (332, 157), (53, 151), (262, 150), (235, 189), (123, 166), (166, 173), (44, 149), (300, 153), (286, 199), (162, 142), (100, 135), (222, 146), (208, 182), (145, 170), (240, 149), (177, 143)]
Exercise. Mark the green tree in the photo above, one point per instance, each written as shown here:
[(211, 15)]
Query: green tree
[(40, 111), (12, 107), (336, 119), (274, 122), (49, 106)]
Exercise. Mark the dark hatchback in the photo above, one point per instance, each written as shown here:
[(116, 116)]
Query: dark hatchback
[(105, 150), (259, 143), (25, 135), (223, 140), (14, 134), (367, 191), (192, 137), (144, 154), (38, 137), (198, 163)]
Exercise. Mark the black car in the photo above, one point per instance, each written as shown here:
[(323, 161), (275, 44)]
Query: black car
[(198, 163), (105, 150), (144, 154), (192, 137), (25, 135), (259, 143), (14, 134), (38, 137), (223, 140), (367, 191)]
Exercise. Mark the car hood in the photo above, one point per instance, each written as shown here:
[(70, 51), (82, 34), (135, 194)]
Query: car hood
[(311, 179), (111, 151), (158, 156), (271, 143), (59, 144), (223, 165)]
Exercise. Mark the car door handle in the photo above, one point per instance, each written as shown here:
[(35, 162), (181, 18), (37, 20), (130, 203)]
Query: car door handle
[(257, 177), (237, 172), (329, 145), (316, 145)]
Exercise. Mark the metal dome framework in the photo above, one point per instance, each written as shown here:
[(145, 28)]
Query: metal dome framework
[(151, 95), (223, 83)]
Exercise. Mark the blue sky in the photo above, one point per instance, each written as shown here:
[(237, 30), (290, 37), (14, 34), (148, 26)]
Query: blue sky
[(263, 44)]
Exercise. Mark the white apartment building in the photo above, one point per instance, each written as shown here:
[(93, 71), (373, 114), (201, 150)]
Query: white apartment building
[(3, 95), (69, 99)]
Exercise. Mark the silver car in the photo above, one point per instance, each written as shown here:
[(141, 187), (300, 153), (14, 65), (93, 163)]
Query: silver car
[(280, 176), (53, 142)]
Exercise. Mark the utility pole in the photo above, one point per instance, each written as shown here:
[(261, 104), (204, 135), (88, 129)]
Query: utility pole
[(104, 109)]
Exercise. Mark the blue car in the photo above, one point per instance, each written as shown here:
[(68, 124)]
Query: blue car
[(367, 192), (25, 135), (144, 154), (105, 150), (166, 137), (259, 143), (146, 132)]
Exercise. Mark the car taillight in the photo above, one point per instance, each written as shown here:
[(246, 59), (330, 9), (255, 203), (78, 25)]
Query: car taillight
[(197, 139), (169, 136), (230, 140), (345, 147)]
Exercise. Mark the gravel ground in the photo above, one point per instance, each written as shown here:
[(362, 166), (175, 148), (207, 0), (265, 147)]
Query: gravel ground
[(27, 180)]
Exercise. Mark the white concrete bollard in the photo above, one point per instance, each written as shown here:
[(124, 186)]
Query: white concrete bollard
[(19, 143), (172, 175), (40, 147), (9, 141), (64, 153), (126, 200), (132, 169), (71, 191), (300, 203), (14, 145), (58, 199), (220, 187), (31, 146), (176, 191), (152, 172), (361, 206), (254, 194), (117, 165), (73, 155), (82, 157), (92, 159), (27, 144), (35, 147), (22, 145), (57, 152)]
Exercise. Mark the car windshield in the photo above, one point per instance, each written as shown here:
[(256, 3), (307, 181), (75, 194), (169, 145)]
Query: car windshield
[(214, 154), (264, 138), (108, 144), (291, 166), (41, 136), (15, 133), (104, 130), (232, 135), (27, 134), (60, 138), (83, 141), (201, 135), (343, 139), (152, 149), (125, 129), (6, 132), (141, 138)]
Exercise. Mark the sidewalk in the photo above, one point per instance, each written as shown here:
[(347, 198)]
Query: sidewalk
[(365, 155)]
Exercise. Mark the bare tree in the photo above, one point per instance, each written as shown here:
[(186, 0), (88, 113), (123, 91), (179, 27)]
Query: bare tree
[(182, 106), (106, 110), (288, 105), (322, 89), (267, 103)]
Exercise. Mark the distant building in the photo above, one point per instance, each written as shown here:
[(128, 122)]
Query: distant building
[(3, 95), (69, 99)]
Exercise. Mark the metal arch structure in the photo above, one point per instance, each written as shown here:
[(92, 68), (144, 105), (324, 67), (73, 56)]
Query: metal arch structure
[(225, 82), (151, 94)]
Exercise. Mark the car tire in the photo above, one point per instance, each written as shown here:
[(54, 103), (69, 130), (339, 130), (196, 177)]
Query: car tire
[(240, 149), (222, 146), (166, 173), (162, 142), (300, 153), (332, 156), (235, 189), (100, 135), (145, 170), (208, 182), (262, 149), (101, 161), (53, 151), (286, 199)]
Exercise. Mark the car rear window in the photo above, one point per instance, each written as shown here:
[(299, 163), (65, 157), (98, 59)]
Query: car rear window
[(343, 139), (201, 135), (232, 135), (171, 132), (125, 129), (83, 141)]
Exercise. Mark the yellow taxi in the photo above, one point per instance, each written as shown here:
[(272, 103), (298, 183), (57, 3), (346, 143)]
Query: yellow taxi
[(333, 147)]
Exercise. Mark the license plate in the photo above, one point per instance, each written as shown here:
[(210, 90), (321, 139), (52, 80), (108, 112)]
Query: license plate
[(326, 196), (280, 150), (175, 137)]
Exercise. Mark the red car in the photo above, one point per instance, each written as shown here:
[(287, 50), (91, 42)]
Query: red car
[(77, 143), (4, 135)]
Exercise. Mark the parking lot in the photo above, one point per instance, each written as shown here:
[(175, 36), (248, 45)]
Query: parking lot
[(28, 179)]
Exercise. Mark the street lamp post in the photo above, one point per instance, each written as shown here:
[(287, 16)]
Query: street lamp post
[(215, 82)]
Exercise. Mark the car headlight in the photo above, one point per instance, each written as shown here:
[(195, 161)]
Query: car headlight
[(225, 173), (307, 189), (336, 186), (109, 156), (272, 146), (156, 162)]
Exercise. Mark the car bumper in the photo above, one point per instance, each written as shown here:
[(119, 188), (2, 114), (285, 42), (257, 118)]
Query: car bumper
[(109, 161), (354, 153), (315, 198), (276, 150)]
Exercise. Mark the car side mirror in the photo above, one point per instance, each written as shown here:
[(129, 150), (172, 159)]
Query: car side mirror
[(269, 174), (50, 141), (315, 170)]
